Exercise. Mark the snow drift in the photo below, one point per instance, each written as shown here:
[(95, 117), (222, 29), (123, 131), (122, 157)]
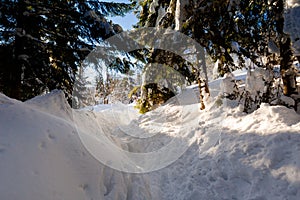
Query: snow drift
[(229, 155)]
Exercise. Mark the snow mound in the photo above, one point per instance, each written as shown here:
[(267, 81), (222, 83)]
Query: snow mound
[(53, 103), (257, 157), (229, 154), (4, 100), (42, 156)]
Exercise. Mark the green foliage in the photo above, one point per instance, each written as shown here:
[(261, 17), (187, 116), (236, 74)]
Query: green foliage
[(134, 91), (154, 96)]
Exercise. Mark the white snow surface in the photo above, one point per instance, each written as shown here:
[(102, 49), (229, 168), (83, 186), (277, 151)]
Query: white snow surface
[(230, 155)]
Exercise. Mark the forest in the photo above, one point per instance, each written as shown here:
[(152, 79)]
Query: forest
[(48, 45)]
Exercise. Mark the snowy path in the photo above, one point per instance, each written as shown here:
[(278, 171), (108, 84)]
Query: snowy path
[(230, 155)]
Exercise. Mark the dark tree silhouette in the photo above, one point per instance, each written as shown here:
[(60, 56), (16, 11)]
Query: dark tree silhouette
[(44, 42)]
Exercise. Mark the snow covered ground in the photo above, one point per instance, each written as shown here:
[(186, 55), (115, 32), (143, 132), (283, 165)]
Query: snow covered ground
[(49, 151)]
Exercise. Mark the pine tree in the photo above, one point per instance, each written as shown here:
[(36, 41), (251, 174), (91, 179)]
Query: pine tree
[(161, 14), (46, 41), (286, 53), (225, 27)]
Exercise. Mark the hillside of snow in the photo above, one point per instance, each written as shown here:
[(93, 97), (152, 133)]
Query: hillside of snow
[(49, 151)]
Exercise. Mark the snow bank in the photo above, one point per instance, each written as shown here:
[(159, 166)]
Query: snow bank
[(42, 156), (230, 155), (257, 157)]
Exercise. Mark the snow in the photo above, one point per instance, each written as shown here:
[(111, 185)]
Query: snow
[(287, 100), (160, 14), (49, 151), (255, 81), (153, 5), (291, 25), (235, 46), (273, 47)]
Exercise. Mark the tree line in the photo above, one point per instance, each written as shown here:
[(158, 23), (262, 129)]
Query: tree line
[(247, 29), (43, 43)]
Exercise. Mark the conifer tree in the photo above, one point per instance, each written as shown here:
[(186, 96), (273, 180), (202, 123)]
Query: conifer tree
[(44, 42), (246, 28)]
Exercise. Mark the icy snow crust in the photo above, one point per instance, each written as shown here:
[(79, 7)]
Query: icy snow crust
[(230, 155)]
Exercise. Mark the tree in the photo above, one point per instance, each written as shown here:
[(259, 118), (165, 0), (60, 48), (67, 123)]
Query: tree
[(104, 87), (161, 14), (83, 91), (286, 53), (46, 41), (246, 28)]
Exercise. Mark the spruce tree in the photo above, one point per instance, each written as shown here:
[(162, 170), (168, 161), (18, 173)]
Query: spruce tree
[(226, 27), (44, 42)]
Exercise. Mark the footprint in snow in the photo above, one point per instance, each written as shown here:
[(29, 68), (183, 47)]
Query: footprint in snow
[(51, 136), (83, 186)]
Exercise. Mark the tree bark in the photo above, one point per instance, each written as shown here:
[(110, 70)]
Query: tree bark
[(287, 72), (288, 77)]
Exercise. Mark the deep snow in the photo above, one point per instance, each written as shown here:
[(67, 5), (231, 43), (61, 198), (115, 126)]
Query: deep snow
[(45, 151)]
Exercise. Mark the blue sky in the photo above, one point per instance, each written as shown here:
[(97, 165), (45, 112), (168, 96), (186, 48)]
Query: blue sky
[(127, 21)]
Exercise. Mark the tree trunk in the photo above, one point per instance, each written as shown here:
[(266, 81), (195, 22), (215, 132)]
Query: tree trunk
[(287, 72), (179, 14), (202, 81), (288, 77)]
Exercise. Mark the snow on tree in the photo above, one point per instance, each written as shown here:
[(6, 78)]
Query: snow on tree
[(172, 15), (292, 23), (54, 37), (248, 30), (83, 92), (228, 86)]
